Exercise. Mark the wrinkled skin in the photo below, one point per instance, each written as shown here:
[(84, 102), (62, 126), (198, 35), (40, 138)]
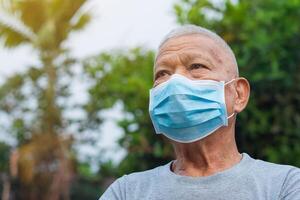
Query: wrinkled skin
[(199, 57)]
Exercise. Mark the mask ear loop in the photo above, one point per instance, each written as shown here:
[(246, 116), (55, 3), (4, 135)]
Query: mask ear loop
[(231, 115), (226, 84), (230, 81)]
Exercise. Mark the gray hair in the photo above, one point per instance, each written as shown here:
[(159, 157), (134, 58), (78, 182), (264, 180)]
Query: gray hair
[(193, 29)]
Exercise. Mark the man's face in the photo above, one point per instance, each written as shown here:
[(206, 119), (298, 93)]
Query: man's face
[(197, 57), (194, 56)]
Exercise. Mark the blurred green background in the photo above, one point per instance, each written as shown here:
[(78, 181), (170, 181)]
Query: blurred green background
[(44, 162)]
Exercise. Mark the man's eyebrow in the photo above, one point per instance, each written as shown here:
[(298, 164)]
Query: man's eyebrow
[(166, 62), (192, 56), (162, 63), (161, 67)]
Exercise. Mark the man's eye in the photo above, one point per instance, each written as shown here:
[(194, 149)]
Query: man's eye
[(197, 66), (161, 74)]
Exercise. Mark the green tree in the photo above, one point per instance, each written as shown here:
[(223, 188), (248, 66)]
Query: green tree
[(4, 165), (265, 36), (34, 100), (125, 77)]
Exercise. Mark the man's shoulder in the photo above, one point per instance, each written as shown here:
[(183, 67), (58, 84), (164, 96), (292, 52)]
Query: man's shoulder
[(270, 167), (287, 177), (137, 181), (146, 175)]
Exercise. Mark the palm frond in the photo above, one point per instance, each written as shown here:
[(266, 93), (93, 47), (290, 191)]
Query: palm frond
[(33, 13), (81, 21), (13, 31)]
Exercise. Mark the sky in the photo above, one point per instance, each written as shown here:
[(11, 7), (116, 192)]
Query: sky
[(116, 24)]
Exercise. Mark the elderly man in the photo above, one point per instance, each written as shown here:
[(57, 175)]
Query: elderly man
[(196, 95)]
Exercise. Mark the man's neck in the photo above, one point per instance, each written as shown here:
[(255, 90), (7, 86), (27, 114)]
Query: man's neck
[(208, 156)]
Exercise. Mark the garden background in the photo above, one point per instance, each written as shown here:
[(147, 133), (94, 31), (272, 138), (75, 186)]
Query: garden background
[(59, 112)]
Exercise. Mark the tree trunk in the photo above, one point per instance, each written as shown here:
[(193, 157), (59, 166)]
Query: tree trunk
[(6, 187), (51, 113)]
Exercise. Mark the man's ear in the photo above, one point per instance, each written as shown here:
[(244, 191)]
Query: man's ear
[(242, 94)]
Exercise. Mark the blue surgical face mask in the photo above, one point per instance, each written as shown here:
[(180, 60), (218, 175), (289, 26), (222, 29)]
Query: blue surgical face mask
[(186, 110)]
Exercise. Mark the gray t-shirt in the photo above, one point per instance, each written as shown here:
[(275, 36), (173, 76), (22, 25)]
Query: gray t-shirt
[(250, 179)]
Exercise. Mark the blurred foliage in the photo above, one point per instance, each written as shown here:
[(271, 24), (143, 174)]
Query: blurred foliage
[(265, 36), (125, 77), (4, 166), (34, 101), (86, 184), (4, 157)]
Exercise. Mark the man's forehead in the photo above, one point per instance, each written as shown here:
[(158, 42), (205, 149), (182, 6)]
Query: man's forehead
[(193, 44), (186, 56), (194, 38)]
